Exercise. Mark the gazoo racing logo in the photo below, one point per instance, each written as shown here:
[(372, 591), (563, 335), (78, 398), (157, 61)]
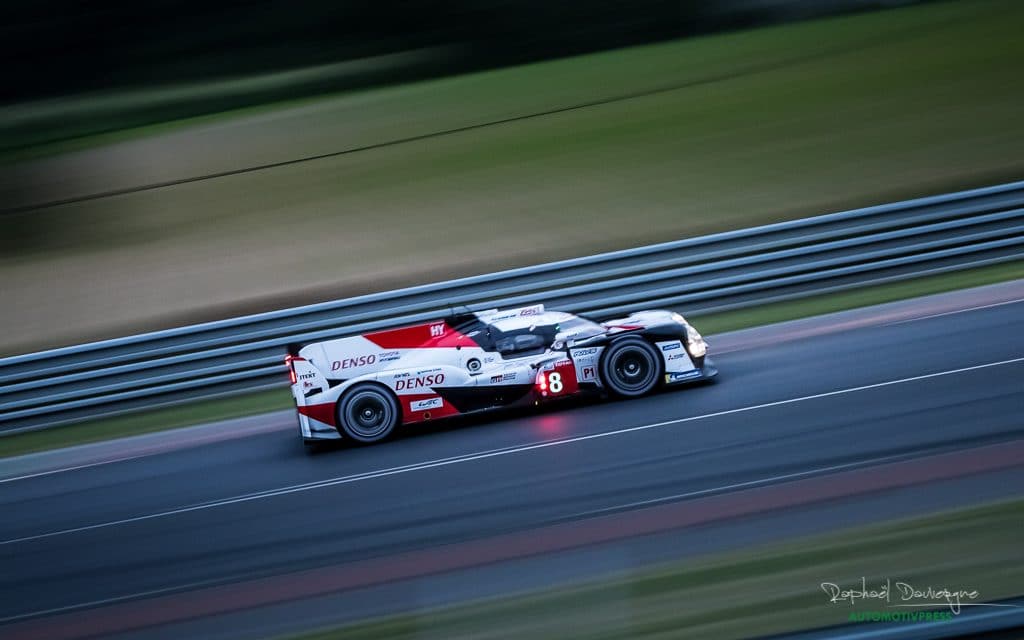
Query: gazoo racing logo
[(351, 363), (436, 379)]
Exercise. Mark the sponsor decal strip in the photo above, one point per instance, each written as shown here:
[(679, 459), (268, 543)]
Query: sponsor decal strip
[(686, 375), (424, 405)]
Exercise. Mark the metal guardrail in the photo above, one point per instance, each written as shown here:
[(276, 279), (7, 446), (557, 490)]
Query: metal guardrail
[(717, 272)]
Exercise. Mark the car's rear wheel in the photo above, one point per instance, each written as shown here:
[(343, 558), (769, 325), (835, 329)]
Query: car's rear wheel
[(367, 413), (630, 367)]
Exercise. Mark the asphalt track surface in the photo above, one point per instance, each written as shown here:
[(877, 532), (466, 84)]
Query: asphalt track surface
[(804, 422)]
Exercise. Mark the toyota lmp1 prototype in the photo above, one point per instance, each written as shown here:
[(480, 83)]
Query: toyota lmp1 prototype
[(362, 387)]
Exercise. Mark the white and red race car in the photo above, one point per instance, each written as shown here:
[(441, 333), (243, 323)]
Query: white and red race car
[(362, 387)]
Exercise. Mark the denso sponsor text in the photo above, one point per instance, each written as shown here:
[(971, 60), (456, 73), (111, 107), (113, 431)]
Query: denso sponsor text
[(416, 383), (349, 363)]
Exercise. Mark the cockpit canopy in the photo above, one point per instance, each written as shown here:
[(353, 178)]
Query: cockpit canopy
[(528, 331)]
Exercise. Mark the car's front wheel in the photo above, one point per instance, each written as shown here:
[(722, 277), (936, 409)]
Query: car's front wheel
[(367, 413), (630, 367)]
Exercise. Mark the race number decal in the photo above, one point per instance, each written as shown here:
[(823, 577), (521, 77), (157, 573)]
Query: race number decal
[(559, 380)]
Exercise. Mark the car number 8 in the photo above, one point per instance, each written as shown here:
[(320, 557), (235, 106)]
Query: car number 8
[(555, 382)]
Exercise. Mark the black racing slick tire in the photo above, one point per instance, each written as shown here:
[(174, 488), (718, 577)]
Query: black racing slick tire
[(368, 413), (630, 367)]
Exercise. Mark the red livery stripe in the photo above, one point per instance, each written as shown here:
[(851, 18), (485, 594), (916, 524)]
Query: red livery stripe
[(322, 412), (423, 336)]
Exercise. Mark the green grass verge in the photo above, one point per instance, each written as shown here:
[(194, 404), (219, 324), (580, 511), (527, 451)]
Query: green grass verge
[(772, 589), (208, 411)]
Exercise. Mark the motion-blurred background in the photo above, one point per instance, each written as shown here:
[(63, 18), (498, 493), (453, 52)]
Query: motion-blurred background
[(170, 162), (69, 48)]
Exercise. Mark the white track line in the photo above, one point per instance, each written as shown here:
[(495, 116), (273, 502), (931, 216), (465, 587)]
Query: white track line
[(191, 586), (702, 492), (77, 467), (956, 311), (444, 462)]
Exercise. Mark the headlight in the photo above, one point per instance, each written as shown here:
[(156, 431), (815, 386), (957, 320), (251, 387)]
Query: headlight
[(697, 345), (678, 318)]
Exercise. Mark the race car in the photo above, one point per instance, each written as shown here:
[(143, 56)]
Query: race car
[(363, 387)]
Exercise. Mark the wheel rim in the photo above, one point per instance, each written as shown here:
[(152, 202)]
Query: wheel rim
[(633, 369), (369, 415)]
